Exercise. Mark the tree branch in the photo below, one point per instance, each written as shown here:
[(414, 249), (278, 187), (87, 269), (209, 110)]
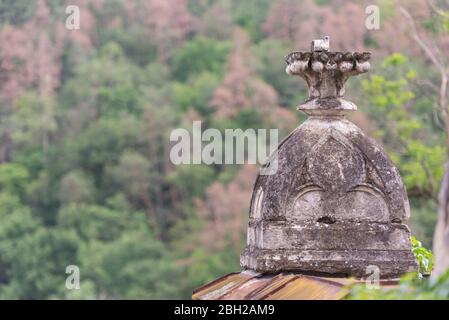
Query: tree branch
[(420, 42), (437, 11), (442, 95)]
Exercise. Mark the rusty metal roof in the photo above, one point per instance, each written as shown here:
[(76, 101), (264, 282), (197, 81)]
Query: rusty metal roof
[(248, 285)]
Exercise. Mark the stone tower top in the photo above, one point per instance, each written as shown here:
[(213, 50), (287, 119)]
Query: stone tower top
[(336, 204)]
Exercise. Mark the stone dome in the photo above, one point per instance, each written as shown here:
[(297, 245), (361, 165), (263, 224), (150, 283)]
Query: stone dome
[(334, 202)]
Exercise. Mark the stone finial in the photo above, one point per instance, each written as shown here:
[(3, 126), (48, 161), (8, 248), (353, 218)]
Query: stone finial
[(326, 73), (336, 204)]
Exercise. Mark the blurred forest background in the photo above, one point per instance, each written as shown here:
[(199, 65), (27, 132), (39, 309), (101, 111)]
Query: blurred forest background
[(86, 115)]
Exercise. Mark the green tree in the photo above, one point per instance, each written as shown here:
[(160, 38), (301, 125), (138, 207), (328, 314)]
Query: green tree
[(134, 266), (409, 135), (199, 55), (13, 178)]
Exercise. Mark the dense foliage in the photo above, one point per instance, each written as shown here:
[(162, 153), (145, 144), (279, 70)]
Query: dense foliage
[(410, 287), (86, 115)]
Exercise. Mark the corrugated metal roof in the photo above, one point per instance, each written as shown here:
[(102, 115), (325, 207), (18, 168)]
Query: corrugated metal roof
[(248, 285)]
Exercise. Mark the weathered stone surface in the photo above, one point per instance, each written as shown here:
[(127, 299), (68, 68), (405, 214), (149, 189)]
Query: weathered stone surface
[(323, 145), (391, 263), (336, 203), (342, 235)]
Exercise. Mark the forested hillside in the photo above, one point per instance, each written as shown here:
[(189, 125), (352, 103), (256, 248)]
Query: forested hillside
[(86, 116)]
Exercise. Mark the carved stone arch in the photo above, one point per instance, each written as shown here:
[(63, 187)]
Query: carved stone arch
[(334, 163), (290, 155), (384, 173), (256, 209), (342, 192)]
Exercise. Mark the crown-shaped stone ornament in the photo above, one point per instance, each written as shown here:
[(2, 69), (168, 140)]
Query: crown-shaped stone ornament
[(326, 73), (336, 204)]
